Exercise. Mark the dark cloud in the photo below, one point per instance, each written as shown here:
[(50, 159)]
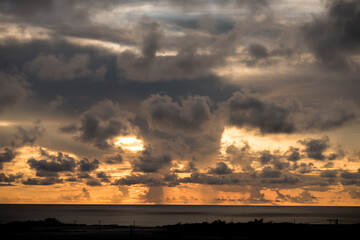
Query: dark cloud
[(293, 154), (339, 154), (104, 121), (83, 175), (23, 136), (148, 162), (103, 176), (93, 182), (84, 165), (28, 136), (189, 168), (7, 155), (248, 110), (191, 115), (13, 89), (206, 179), (71, 179), (314, 148), (268, 172), (287, 179), (265, 157), (280, 164), (10, 178), (329, 173), (241, 156), (51, 67), (187, 63), (70, 128), (24, 7), (48, 11), (350, 178), (91, 130), (220, 169), (335, 37), (144, 179), (114, 159), (305, 168), (183, 129), (258, 51), (42, 181), (52, 165)]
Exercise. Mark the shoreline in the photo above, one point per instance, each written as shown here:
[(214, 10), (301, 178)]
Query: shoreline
[(258, 229)]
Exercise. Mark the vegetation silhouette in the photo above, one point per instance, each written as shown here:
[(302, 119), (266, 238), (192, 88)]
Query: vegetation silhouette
[(52, 228)]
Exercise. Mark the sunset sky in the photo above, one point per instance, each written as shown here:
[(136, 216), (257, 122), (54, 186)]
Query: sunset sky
[(235, 102)]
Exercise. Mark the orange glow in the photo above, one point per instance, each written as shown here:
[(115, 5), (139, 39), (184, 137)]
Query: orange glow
[(237, 137), (130, 143)]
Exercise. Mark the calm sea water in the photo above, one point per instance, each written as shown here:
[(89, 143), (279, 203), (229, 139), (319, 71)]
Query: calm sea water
[(155, 215)]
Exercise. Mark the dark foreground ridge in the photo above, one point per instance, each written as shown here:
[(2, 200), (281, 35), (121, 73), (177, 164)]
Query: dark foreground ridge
[(53, 229)]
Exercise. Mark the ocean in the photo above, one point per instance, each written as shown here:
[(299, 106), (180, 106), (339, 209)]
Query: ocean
[(158, 215)]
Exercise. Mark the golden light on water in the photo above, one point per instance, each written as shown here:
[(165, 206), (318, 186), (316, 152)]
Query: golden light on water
[(130, 143)]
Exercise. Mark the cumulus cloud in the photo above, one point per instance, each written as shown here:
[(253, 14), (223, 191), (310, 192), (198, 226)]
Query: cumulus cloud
[(102, 122), (94, 131), (265, 157), (10, 178), (52, 165), (149, 162), (314, 148), (7, 155), (304, 168), (184, 129), (191, 115), (220, 169), (241, 156), (293, 154), (22, 137), (103, 176), (84, 165), (246, 110)]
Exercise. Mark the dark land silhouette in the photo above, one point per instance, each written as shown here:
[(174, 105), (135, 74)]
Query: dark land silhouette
[(53, 229)]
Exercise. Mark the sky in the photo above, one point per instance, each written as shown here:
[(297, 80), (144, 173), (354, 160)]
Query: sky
[(236, 102)]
